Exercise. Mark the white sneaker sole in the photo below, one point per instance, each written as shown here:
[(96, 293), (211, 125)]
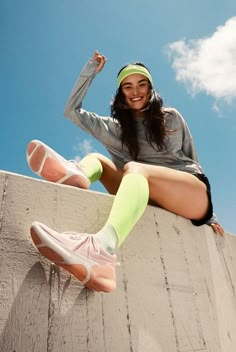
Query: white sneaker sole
[(48, 164)]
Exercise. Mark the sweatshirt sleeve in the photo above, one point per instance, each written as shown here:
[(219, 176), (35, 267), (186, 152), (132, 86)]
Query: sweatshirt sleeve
[(188, 145), (79, 91), (100, 127)]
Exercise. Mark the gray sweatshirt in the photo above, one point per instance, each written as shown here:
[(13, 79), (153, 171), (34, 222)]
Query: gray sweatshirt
[(179, 152)]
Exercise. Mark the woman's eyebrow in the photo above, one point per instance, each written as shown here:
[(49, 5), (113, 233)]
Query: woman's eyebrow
[(143, 80), (126, 84), (130, 83)]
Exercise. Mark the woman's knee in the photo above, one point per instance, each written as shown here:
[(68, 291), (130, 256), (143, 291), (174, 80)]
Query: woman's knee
[(97, 155), (134, 167), (104, 160)]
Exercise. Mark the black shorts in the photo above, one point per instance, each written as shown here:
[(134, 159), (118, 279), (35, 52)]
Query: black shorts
[(209, 213)]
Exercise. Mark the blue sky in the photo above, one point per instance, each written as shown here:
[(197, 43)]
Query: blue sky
[(189, 46)]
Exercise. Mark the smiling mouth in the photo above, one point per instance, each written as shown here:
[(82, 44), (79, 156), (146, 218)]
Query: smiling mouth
[(135, 99)]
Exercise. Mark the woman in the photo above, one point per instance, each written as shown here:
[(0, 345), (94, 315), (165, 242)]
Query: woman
[(153, 161)]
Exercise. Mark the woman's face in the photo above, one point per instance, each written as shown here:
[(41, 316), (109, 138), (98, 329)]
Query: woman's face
[(136, 90)]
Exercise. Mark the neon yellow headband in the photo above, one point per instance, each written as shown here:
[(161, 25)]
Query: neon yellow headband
[(131, 69)]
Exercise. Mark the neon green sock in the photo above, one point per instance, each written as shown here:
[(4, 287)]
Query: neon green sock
[(129, 204), (92, 167)]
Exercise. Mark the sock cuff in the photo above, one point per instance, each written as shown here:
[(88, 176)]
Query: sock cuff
[(92, 167)]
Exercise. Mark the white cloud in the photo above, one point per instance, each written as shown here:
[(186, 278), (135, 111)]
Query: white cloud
[(208, 64), (83, 148)]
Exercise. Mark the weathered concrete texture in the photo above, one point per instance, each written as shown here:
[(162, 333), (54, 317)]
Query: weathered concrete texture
[(176, 283)]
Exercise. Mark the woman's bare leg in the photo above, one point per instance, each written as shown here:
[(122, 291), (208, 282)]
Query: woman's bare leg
[(175, 191)]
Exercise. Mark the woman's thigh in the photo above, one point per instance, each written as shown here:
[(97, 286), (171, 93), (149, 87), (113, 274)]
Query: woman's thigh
[(176, 191)]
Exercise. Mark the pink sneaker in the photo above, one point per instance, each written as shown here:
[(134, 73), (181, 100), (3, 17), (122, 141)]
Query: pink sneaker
[(80, 254), (48, 164)]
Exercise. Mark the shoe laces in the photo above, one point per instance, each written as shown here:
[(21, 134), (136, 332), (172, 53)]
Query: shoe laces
[(74, 235), (90, 245), (75, 164)]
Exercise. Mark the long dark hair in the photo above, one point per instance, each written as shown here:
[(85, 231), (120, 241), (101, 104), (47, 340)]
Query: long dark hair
[(154, 120)]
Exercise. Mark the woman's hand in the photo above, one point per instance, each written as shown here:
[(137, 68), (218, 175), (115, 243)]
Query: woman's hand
[(101, 59), (217, 228)]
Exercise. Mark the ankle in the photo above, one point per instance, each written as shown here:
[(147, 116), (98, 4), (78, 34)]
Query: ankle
[(108, 238)]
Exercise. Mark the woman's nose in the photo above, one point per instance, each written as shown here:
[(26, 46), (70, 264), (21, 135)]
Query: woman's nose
[(135, 90)]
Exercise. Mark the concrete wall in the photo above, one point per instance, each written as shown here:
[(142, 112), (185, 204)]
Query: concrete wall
[(176, 283)]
